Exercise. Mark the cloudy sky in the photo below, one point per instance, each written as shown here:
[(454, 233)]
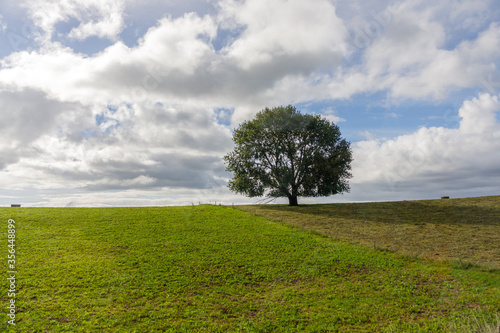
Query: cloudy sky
[(128, 102)]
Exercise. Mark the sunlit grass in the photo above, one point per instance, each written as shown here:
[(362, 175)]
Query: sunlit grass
[(218, 269)]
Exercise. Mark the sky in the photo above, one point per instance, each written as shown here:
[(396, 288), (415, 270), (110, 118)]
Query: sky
[(133, 103)]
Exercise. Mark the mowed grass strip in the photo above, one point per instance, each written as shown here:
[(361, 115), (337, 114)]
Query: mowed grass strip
[(466, 231), (218, 269)]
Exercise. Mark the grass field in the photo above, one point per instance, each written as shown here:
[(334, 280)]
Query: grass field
[(466, 231), (219, 269)]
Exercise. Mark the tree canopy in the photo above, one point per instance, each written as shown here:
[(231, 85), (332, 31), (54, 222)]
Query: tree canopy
[(283, 153)]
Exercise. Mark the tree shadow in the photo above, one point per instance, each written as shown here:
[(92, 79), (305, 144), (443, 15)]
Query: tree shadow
[(401, 212)]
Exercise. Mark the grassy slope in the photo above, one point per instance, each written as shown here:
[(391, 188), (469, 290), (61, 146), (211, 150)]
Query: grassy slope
[(466, 230), (219, 269)]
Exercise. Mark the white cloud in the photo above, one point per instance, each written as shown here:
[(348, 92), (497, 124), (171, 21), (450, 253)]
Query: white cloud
[(276, 29), (410, 59), (275, 59), (331, 115), (174, 60), (406, 54), (3, 25), (435, 158), (101, 18), (368, 135), (55, 70), (470, 15), (164, 64), (178, 44), (31, 116), (446, 70), (146, 147)]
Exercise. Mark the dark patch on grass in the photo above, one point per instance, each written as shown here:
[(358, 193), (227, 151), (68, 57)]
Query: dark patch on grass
[(463, 230)]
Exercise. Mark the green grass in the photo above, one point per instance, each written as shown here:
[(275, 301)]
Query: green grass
[(218, 269), (465, 231)]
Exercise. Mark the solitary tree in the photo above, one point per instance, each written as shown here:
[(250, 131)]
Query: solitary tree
[(283, 153)]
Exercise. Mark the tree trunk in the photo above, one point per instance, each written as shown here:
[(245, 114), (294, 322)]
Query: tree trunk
[(292, 200)]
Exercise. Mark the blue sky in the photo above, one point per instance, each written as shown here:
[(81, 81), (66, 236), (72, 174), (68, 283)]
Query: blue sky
[(124, 102)]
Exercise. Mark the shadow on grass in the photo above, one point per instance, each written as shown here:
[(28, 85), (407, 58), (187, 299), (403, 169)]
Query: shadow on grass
[(464, 230), (401, 212)]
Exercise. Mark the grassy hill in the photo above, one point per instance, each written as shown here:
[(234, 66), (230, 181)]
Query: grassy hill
[(465, 231), (219, 269)]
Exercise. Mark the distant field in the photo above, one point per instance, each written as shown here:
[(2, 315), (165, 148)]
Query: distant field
[(219, 269), (466, 231)]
